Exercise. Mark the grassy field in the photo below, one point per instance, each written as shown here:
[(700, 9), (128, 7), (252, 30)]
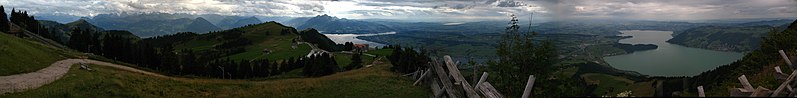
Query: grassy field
[(380, 52), (263, 36), (373, 82), (607, 84), (19, 55)]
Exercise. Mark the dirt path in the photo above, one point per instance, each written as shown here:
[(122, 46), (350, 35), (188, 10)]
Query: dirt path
[(32, 80)]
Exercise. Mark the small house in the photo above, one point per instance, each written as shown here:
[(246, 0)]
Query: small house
[(360, 48)]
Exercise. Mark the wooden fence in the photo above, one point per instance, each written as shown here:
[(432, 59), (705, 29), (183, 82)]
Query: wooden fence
[(786, 89), (446, 80)]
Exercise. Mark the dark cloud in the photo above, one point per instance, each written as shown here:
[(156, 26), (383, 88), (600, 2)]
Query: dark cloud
[(510, 3)]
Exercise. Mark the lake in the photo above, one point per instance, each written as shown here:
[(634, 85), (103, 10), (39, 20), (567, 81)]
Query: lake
[(668, 59), (343, 38)]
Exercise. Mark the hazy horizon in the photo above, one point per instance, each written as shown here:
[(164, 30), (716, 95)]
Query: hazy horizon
[(428, 10)]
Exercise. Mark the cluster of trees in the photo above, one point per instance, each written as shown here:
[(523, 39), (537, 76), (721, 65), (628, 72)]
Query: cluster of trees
[(519, 56), (629, 48), (320, 65), (356, 62), (25, 21), (164, 40), (407, 60), (313, 36), (85, 41)]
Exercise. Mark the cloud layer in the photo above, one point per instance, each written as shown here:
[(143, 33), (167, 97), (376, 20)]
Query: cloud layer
[(440, 10)]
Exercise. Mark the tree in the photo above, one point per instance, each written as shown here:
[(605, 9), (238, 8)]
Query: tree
[(356, 62), (519, 56), (4, 26)]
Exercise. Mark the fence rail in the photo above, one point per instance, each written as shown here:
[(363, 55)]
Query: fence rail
[(454, 85)]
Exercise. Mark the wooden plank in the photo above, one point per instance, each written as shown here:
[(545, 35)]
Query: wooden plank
[(436, 89), (739, 92), (785, 58), (444, 79), (481, 80), (746, 84), (760, 92), (700, 92), (529, 86), (425, 73), (784, 84), (454, 72), (415, 74), (777, 69), (489, 91)]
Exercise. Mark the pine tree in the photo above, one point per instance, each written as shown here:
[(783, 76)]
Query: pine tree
[(4, 23), (356, 62), (520, 56)]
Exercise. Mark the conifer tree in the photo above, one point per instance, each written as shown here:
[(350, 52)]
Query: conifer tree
[(4, 26)]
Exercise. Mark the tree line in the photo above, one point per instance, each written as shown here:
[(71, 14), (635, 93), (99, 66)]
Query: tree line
[(25, 21), (407, 60)]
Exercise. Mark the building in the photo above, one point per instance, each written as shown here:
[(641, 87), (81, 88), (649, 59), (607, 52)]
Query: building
[(360, 48)]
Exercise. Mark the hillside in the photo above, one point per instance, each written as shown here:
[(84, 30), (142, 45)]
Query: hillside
[(757, 65), (19, 55), (260, 36), (233, 22), (373, 82), (62, 31), (722, 38)]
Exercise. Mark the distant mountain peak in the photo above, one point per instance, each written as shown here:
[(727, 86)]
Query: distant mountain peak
[(200, 18), (83, 24), (200, 25), (79, 21)]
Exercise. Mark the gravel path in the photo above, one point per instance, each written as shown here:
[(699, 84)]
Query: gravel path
[(32, 80)]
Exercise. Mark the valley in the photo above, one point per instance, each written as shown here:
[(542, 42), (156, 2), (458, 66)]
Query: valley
[(397, 48)]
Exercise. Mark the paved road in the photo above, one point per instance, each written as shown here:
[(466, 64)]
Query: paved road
[(32, 80)]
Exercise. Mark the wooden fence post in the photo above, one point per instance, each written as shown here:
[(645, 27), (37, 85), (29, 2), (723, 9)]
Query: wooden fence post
[(454, 72), (481, 80), (529, 86), (745, 83), (444, 79), (422, 76), (785, 58), (700, 91), (784, 84)]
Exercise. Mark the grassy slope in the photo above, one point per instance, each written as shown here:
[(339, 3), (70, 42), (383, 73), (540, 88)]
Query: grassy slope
[(612, 85), (374, 82), (279, 44), (19, 55), (607, 84)]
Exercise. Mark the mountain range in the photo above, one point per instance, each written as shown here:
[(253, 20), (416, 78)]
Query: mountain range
[(329, 24)]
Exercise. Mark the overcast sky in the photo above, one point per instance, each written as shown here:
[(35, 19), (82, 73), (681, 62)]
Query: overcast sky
[(430, 9)]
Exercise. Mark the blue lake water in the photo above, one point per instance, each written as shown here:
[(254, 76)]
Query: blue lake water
[(668, 59), (343, 38)]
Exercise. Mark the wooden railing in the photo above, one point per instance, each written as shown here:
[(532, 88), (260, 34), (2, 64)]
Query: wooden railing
[(454, 85), (786, 89)]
